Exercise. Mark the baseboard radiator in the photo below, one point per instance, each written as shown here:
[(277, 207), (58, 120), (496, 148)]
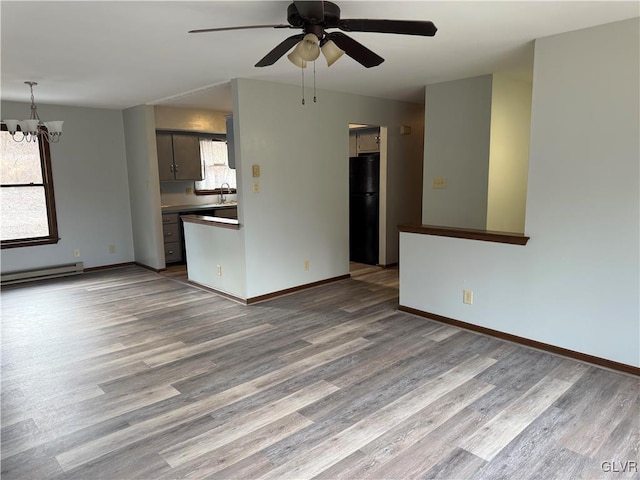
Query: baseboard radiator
[(10, 278)]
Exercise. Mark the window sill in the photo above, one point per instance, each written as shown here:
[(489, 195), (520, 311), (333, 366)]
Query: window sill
[(28, 242)]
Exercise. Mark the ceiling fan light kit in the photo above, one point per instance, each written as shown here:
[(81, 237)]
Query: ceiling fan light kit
[(331, 52), (308, 48), (34, 128)]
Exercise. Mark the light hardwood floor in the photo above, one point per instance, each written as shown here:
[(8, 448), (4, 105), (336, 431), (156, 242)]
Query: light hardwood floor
[(125, 374)]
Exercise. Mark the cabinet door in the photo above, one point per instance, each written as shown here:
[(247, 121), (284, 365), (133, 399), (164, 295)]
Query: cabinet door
[(165, 156), (368, 141), (231, 149), (353, 144), (186, 157)]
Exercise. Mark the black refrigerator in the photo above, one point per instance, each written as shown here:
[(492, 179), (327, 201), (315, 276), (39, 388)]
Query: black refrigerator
[(364, 208)]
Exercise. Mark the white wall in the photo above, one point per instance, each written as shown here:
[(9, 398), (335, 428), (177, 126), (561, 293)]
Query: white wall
[(91, 190), (575, 285), (142, 167), (207, 247), (301, 212), (509, 153), (456, 147)]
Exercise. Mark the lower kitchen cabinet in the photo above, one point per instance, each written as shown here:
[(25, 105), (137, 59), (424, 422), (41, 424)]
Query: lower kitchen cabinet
[(172, 238)]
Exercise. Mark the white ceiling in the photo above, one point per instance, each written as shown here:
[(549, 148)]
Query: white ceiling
[(118, 54)]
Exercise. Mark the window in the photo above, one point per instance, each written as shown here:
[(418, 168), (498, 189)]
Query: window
[(27, 206), (215, 165)]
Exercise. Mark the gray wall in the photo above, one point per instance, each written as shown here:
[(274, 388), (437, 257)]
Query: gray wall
[(91, 190), (456, 146), (142, 163), (576, 283), (301, 212)]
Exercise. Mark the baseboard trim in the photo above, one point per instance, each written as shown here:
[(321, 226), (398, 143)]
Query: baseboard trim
[(157, 270), (583, 357), (218, 292), (269, 296), (107, 267)]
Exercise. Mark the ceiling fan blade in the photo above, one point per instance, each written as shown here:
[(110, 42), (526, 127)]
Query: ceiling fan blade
[(283, 47), (402, 27), (244, 27), (355, 50), (312, 11)]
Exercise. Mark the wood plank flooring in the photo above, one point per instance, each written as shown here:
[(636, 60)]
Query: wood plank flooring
[(129, 374)]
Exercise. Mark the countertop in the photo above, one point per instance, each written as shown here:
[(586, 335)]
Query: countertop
[(194, 208), (231, 223)]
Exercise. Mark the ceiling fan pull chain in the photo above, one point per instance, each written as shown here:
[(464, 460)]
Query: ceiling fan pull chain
[(314, 81), (302, 69)]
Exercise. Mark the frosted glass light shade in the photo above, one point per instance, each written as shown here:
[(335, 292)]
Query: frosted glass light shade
[(55, 126), (308, 48), (12, 125), (296, 60), (29, 126), (331, 52)]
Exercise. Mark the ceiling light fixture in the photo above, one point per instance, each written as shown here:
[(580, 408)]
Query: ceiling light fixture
[(34, 128)]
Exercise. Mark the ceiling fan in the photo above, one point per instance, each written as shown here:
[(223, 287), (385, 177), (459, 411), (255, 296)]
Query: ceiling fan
[(314, 18)]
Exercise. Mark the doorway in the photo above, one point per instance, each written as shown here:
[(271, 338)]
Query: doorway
[(367, 194)]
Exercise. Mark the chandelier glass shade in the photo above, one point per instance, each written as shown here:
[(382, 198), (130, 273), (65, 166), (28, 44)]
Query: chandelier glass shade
[(34, 128)]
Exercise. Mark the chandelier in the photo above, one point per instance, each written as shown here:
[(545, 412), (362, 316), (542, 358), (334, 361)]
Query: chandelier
[(34, 128)]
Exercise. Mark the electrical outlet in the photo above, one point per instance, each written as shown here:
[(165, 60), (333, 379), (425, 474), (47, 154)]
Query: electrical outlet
[(219, 270), (439, 182), (188, 190), (255, 169), (256, 187), (306, 265), (112, 249), (76, 252), (467, 296)]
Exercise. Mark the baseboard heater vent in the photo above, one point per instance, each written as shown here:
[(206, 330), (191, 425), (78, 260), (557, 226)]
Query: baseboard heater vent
[(10, 278)]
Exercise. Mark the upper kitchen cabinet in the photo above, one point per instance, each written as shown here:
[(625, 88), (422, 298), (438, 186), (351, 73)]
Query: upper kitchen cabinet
[(178, 157), (368, 140), (364, 140)]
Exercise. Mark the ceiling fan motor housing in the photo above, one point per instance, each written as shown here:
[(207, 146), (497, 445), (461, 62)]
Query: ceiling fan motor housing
[(331, 16)]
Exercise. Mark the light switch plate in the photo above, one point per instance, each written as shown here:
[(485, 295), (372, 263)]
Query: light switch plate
[(255, 170), (439, 182)]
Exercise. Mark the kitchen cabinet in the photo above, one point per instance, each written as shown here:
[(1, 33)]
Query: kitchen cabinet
[(172, 238), (178, 157), (364, 140), (368, 140), (231, 152)]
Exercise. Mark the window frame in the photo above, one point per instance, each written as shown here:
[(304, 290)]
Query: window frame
[(47, 184), (220, 137)]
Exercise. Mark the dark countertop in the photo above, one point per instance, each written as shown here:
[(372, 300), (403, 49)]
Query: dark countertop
[(231, 223), (194, 208)]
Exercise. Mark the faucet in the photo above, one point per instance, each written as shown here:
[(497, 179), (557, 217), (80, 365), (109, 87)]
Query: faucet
[(222, 198)]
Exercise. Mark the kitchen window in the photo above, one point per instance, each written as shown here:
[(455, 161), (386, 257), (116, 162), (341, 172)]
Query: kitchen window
[(27, 204), (215, 166)]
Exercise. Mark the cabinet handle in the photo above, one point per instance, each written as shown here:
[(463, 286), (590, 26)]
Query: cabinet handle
[(169, 234), (171, 167), (175, 167), (170, 252)]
